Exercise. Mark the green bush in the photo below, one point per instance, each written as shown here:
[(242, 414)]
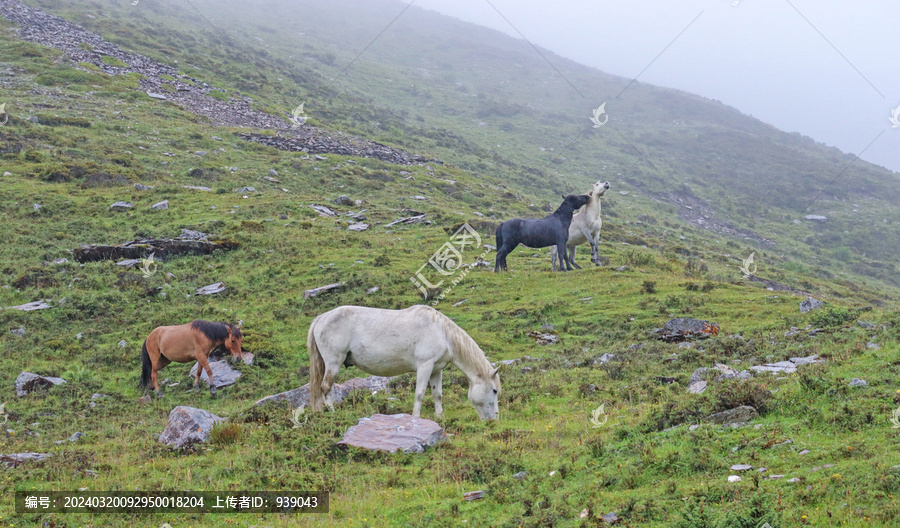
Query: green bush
[(831, 317)]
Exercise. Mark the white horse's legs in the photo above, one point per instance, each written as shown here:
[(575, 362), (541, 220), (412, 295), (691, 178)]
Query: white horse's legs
[(423, 374), (331, 372), (437, 392)]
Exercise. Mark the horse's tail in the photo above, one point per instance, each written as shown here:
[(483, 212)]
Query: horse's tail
[(316, 369), (146, 367)]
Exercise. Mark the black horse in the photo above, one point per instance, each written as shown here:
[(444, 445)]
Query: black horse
[(552, 230)]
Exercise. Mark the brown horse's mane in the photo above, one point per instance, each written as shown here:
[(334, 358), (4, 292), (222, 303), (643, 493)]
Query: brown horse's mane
[(215, 331)]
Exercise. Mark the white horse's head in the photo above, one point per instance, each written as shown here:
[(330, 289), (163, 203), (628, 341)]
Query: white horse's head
[(484, 395), (599, 188)]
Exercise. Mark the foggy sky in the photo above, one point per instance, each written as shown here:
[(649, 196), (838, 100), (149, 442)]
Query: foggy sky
[(760, 56)]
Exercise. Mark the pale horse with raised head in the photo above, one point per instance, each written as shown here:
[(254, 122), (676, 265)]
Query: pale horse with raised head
[(585, 227), (383, 342)]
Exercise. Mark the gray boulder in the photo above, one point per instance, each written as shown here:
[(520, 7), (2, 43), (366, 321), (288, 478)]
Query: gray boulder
[(121, 206), (394, 432), (741, 414), (188, 426), (223, 374), (14, 459), (684, 328), (28, 382), (810, 304), (343, 200), (161, 206)]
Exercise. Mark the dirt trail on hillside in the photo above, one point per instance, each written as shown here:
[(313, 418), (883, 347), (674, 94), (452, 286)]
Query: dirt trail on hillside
[(190, 93)]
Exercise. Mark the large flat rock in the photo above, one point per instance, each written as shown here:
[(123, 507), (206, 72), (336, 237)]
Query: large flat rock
[(188, 426), (394, 432), (28, 382), (14, 459), (300, 396), (223, 374)]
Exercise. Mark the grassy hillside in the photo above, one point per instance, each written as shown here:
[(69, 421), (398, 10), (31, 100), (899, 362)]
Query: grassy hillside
[(96, 135)]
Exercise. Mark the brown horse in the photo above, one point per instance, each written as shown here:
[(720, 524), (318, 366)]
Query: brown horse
[(185, 343)]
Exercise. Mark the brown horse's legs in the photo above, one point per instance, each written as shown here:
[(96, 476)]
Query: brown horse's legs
[(158, 365), (203, 364)]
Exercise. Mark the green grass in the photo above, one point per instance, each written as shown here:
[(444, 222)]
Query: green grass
[(635, 464)]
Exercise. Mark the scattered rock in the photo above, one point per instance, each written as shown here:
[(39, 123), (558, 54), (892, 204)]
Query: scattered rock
[(28, 307), (622, 268), (121, 206), (826, 466), (474, 495), (610, 518), (123, 343), (142, 187), (683, 328), (19, 332), (742, 414), (394, 432), (76, 436), (867, 326), (794, 480), (810, 304), (787, 367), (223, 374), (211, 289), (272, 180), (160, 247), (605, 358), (547, 326), (273, 172), (161, 206), (520, 475), (741, 467), (408, 220), (37, 207), (145, 399), (734, 478), (28, 382), (157, 96), (815, 218), (358, 227), (544, 338), (128, 263), (858, 383), (323, 211), (697, 384), (197, 188), (804, 452), (14, 459), (245, 190), (343, 200), (187, 426), (873, 346), (373, 289), (339, 391), (321, 289)]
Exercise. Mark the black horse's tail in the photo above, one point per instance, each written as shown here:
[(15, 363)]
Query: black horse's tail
[(146, 367)]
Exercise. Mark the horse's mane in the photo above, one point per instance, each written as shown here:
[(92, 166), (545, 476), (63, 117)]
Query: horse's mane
[(464, 347), (215, 331)]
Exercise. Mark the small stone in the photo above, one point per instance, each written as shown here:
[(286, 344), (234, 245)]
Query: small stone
[(121, 206), (244, 190), (805, 451), (693, 427), (826, 466), (145, 399), (342, 200), (142, 187), (526, 370), (741, 467), (794, 480), (815, 218), (873, 346), (161, 206), (610, 518), (474, 495), (547, 326), (520, 475), (157, 96), (79, 335), (734, 478), (37, 207), (211, 289), (19, 332), (76, 436), (605, 358), (273, 172), (858, 383), (123, 343), (373, 289), (622, 268), (7, 173)]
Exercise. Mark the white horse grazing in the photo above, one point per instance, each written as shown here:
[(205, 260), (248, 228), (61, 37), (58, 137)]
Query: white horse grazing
[(417, 339), (585, 227)]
